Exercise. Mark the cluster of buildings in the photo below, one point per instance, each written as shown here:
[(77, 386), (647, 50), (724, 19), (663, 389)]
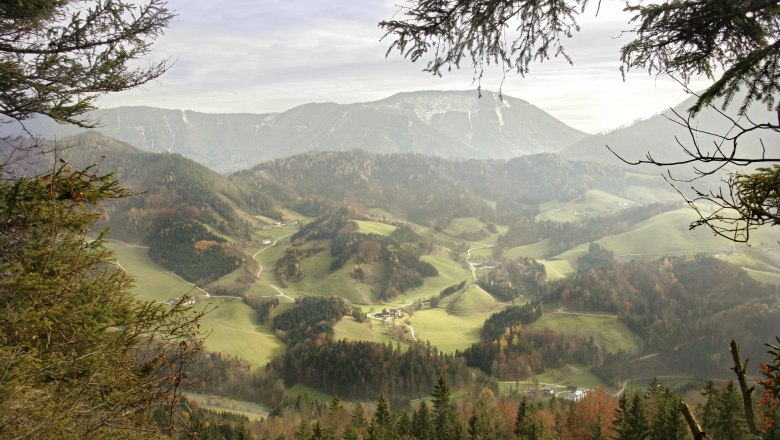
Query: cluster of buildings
[(389, 313)]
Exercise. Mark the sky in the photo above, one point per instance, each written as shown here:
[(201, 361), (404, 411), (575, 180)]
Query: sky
[(262, 56)]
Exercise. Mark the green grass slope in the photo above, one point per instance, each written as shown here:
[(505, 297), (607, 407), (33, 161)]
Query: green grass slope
[(371, 227), (594, 202), (348, 329), (446, 331), (472, 299), (464, 225), (607, 330), (151, 282), (232, 328)]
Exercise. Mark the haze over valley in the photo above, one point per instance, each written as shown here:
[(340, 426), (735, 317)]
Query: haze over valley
[(427, 219), (434, 220)]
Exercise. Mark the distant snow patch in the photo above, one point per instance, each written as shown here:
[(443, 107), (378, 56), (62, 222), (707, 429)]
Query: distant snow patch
[(500, 116)]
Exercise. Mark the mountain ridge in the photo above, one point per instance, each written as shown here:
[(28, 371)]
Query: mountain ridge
[(452, 124)]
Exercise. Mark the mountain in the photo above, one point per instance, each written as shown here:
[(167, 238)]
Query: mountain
[(665, 134), (456, 124)]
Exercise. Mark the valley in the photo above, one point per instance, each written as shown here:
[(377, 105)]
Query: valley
[(349, 273), (456, 322)]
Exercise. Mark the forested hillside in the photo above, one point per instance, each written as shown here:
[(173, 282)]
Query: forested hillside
[(499, 253), (431, 190)]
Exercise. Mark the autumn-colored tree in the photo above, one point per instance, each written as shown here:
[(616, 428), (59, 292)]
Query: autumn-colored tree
[(590, 411)]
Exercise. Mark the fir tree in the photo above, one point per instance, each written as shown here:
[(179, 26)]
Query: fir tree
[(382, 424), (79, 355), (446, 424), (422, 426), (304, 431), (358, 417), (730, 421)]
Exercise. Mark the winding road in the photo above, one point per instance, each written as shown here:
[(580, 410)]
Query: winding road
[(468, 257), (254, 257)]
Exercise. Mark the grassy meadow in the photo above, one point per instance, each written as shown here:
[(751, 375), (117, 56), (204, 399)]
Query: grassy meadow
[(594, 202), (464, 225), (448, 332), (570, 374), (250, 410), (607, 330), (151, 282), (372, 227), (231, 325), (232, 328), (472, 299), (348, 329)]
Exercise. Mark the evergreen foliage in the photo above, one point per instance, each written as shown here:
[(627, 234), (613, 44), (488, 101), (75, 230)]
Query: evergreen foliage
[(498, 322), (58, 56), (80, 356), (311, 318), (189, 249), (360, 369)]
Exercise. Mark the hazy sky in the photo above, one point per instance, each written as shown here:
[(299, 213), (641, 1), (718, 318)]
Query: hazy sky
[(263, 56)]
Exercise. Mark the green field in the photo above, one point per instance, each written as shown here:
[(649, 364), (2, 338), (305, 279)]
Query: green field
[(481, 252), (595, 202), (450, 272), (232, 328), (370, 227), (348, 329), (448, 332), (764, 277), (534, 250), (300, 390), (320, 281), (557, 269), (470, 300), (464, 225), (664, 234), (570, 374), (607, 330), (251, 410), (151, 282)]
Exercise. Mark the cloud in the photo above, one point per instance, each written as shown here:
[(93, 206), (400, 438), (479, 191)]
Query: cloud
[(271, 55)]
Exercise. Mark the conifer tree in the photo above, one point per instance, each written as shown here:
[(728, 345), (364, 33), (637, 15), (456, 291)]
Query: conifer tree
[(304, 431), (79, 355), (730, 420), (403, 427), (637, 419), (597, 432), (422, 426), (358, 416), (382, 424), (667, 422), (711, 407), (526, 427), (446, 424), (620, 422)]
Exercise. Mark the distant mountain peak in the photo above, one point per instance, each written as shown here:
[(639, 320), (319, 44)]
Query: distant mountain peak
[(457, 124)]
